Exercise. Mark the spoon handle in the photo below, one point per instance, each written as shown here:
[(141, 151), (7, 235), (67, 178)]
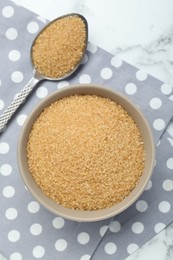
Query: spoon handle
[(8, 113)]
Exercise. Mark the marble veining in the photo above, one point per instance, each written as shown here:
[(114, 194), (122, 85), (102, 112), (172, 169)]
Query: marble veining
[(155, 57), (158, 248)]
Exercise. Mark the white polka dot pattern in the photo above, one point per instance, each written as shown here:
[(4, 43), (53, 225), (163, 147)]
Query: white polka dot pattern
[(36, 229), (11, 34), (141, 205), (8, 192), (168, 185), (159, 124), (155, 103), (137, 227), (164, 206), (85, 257), (166, 89), (149, 185), (58, 223), (1, 104), (4, 147), (17, 76), (14, 55), (116, 62), (131, 248), (141, 75), (41, 92), (21, 214), (106, 73), (33, 207), (91, 48), (130, 88), (5, 169), (85, 78), (103, 230), (38, 251), (8, 11), (11, 213), (115, 226), (13, 236), (15, 256), (32, 27), (62, 84), (21, 119), (61, 245), (110, 248), (169, 163), (83, 238), (158, 227)]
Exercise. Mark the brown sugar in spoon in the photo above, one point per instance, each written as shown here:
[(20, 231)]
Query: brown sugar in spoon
[(56, 53)]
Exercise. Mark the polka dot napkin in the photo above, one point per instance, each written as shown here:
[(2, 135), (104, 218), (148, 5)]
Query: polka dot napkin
[(29, 231)]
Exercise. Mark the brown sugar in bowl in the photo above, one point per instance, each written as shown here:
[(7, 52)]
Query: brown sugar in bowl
[(79, 183), (85, 152)]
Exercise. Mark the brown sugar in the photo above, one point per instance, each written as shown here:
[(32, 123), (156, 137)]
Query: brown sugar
[(85, 152), (59, 48)]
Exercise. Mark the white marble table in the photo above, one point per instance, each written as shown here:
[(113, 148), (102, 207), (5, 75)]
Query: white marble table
[(139, 32)]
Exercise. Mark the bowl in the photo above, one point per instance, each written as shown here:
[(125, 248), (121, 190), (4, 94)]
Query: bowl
[(87, 215)]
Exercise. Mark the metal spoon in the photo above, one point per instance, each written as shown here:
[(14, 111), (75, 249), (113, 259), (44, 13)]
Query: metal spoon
[(37, 77)]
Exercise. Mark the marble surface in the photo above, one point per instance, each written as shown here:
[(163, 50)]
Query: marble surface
[(158, 248), (139, 32)]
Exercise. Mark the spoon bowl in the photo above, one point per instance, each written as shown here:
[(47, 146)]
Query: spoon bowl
[(37, 75), (66, 19)]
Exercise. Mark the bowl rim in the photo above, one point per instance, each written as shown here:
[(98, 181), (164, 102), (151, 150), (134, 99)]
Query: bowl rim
[(49, 204)]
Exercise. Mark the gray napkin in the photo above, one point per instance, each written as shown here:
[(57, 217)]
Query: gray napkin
[(29, 231)]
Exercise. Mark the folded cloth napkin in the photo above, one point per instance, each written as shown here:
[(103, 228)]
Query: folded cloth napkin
[(28, 230)]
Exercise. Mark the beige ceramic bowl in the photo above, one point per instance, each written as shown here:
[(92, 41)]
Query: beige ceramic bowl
[(78, 215)]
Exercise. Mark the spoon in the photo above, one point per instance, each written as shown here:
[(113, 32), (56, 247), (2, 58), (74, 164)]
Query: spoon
[(37, 53)]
